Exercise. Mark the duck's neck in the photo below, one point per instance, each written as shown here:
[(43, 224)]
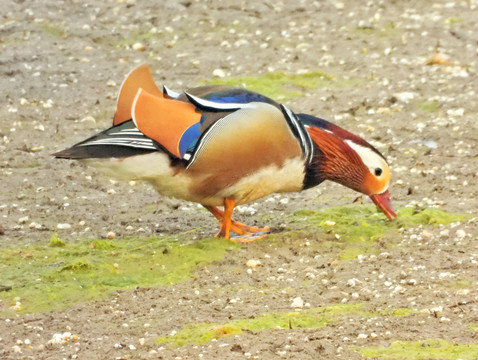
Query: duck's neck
[(333, 160)]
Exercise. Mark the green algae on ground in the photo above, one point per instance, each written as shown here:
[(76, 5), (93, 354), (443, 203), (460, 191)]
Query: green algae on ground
[(427, 105), (313, 318), (52, 277), (401, 312), (361, 227), (53, 29), (55, 241), (307, 319), (277, 85), (422, 349)]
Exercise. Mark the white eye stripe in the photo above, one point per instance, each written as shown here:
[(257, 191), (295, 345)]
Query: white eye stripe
[(369, 157)]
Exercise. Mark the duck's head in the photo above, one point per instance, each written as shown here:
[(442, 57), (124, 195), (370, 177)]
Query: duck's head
[(349, 160)]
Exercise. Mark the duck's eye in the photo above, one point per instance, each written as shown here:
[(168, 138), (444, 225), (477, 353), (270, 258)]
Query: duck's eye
[(378, 171)]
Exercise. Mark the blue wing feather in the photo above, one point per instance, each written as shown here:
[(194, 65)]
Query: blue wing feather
[(236, 95)]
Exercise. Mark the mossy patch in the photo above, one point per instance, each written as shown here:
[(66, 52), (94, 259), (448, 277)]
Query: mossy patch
[(53, 277), (358, 229), (453, 20), (426, 105), (55, 241), (280, 86), (53, 29), (307, 319), (385, 31), (400, 312), (313, 318), (422, 349)]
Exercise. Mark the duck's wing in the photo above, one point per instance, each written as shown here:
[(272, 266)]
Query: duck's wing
[(119, 141), (183, 125), (139, 78)]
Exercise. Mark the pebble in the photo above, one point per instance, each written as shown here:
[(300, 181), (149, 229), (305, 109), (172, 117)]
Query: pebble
[(219, 73), (63, 226), (23, 220), (460, 234), (405, 96), (89, 119), (329, 223), (253, 263), (139, 46), (463, 292), (427, 234), (111, 235), (297, 303)]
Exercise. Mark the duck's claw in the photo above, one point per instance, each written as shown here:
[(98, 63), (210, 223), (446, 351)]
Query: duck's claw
[(244, 233), (248, 237)]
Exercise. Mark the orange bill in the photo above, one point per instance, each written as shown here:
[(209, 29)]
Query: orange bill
[(162, 119), (138, 78), (383, 202)]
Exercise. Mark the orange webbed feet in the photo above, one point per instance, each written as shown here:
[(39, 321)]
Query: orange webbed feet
[(243, 233)]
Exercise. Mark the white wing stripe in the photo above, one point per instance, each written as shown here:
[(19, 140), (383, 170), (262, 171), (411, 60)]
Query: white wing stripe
[(170, 93), (123, 142), (215, 105), (305, 140)]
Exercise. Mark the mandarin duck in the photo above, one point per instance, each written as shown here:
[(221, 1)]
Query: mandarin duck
[(223, 146)]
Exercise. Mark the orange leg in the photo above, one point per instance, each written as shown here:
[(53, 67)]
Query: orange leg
[(227, 224)]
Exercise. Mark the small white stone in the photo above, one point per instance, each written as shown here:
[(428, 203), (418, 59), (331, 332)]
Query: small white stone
[(329, 223), (463, 292), (132, 347), (253, 263), (89, 119), (460, 234), (34, 225), (362, 336), (427, 234), (139, 46), (63, 226), (405, 97), (23, 220), (219, 73), (297, 303)]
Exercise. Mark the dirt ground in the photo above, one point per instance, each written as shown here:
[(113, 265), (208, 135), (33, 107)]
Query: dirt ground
[(406, 81)]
